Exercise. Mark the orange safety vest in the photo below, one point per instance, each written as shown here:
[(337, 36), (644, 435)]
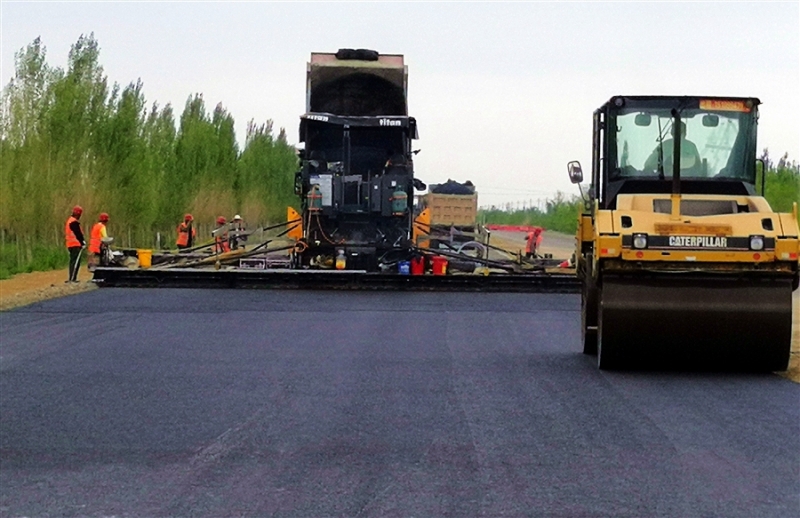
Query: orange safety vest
[(183, 235), (95, 237), (533, 241), (72, 241), (221, 240)]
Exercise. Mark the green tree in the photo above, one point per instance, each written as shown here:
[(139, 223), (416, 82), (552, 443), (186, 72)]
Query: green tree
[(266, 173), (782, 183), (160, 138)]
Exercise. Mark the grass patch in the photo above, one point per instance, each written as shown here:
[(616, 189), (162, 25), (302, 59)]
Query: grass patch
[(27, 257)]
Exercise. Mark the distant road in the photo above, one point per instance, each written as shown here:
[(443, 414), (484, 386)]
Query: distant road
[(296, 403), (562, 246)]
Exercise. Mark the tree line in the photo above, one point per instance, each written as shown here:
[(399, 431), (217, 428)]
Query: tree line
[(71, 137), (782, 184)]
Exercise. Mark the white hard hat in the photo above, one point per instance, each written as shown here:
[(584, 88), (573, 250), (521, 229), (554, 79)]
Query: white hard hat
[(237, 217)]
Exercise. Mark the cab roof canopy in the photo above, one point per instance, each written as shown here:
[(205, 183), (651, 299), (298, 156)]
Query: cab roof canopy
[(685, 101)]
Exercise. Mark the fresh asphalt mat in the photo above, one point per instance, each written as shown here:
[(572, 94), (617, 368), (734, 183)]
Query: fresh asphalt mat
[(146, 402)]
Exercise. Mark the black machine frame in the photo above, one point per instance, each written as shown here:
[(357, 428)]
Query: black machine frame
[(356, 184)]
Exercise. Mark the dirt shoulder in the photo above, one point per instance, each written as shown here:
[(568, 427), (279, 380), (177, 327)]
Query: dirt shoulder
[(27, 288)]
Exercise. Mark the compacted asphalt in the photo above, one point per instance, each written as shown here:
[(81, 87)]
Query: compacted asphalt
[(145, 402)]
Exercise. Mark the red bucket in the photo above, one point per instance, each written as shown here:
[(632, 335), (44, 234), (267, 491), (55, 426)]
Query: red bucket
[(439, 265), (418, 265)]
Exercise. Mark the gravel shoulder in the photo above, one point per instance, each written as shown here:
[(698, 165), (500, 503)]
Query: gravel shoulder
[(27, 288)]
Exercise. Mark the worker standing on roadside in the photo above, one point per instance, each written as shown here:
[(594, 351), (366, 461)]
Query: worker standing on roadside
[(75, 242), (186, 233), (532, 242), (237, 233), (96, 236), (220, 235)]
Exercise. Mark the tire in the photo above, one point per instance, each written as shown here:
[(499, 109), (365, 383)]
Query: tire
[(589, 310), (608, 354), (605, 355)]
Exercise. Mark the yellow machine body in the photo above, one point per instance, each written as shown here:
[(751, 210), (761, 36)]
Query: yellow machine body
[(719, 239), (687, 272), (296, 228), (421, 230)]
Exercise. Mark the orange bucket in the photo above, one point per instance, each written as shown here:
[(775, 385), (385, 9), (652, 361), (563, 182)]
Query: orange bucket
[(439, 265)]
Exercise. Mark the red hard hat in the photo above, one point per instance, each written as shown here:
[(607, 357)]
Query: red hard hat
[(220, 220), (104, 217), (188, 217), (77, 209)]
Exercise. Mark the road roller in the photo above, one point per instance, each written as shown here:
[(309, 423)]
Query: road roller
[(683, 263)]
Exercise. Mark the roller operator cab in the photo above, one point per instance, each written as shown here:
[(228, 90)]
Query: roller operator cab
[(356, 180), (683, 262)]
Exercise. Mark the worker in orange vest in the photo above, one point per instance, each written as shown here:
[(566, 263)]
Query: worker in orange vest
[(186, 233), (533, 241), (75, 242), (96, 236), (220, 235)]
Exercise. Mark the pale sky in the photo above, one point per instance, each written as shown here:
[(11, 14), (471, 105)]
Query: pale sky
[(503, 93)]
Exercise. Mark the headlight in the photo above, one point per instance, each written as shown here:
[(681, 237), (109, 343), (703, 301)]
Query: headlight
[(640, 241), (756, 242)]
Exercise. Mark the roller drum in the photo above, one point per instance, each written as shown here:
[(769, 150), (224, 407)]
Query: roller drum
[(690, 322)]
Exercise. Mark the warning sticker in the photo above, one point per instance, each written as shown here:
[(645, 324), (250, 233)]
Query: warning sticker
[(723, 105)]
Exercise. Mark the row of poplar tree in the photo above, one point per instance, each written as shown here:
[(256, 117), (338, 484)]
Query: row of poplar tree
[(69, 137)]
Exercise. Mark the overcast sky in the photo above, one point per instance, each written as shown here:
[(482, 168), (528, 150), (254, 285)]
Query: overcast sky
[(503, 93)]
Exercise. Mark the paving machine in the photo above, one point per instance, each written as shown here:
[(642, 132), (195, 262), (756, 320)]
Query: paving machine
[(356, 180), (356, 227), (683, 263)]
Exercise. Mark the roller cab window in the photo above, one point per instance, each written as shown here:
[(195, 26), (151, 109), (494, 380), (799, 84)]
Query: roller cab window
[(714, 144)]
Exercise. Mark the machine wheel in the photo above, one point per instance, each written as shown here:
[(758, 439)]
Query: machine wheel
[(693, 322), (589, 309), (607, 357), (473, 247)]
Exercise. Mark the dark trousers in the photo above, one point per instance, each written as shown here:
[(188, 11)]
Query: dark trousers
[(74, 262)]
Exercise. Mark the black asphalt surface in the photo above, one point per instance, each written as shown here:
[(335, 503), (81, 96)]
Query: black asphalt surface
[(125, 402)]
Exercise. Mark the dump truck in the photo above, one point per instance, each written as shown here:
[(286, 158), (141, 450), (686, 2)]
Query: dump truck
[(356, 179), (447, 215), (683, 263)]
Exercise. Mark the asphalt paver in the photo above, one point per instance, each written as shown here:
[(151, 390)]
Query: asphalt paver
[(146, 402)]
